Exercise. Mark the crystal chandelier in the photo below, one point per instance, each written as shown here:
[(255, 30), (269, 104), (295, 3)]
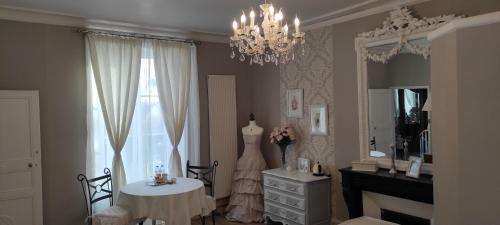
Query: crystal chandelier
[(270, 42)]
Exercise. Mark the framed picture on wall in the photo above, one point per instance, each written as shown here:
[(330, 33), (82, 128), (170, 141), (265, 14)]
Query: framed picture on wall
[(319, 119), (414, 165), (295, 103)]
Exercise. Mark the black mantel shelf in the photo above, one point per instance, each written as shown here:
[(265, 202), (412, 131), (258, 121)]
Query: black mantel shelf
[(382, 182)]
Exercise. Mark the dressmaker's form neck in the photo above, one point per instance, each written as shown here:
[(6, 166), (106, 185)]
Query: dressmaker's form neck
[(252, 123)]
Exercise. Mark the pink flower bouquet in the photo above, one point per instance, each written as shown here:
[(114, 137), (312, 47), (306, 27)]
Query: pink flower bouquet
[(282, 137)]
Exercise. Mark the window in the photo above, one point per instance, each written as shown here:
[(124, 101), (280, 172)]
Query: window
[(147, 144)]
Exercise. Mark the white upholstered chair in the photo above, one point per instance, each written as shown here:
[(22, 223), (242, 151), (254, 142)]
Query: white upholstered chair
[(114, 215), (101, 189)]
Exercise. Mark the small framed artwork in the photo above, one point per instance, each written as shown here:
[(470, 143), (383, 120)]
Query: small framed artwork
[(319, 119), (304, 165), (295, 103), (414, 165)]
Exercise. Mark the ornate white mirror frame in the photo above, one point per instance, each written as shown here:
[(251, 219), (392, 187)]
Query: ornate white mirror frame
[(399, 29)]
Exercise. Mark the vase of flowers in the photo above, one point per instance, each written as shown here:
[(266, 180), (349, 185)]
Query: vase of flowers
[(283, 137)]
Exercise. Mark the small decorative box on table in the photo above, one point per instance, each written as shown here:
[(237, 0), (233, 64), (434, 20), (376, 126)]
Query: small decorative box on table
[(294, 197)]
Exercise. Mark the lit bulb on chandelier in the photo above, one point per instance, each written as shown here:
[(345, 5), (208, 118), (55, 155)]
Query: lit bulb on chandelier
[(243, 19), (297, 24), (252, 18), (275, 44), (235, 25), (278, 16)]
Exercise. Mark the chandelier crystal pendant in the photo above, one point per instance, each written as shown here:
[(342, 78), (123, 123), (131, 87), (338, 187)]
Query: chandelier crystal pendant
[(271, 42)]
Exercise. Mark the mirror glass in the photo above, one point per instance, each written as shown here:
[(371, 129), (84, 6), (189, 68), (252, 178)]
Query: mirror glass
[(398, 91)]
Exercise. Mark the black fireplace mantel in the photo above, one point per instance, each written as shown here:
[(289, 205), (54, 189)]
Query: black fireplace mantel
[(382, 182)]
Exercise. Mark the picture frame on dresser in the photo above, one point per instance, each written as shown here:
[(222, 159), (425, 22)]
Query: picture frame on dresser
[(295, 103), (304, 165)]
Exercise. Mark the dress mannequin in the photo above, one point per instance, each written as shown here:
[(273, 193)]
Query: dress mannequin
[(246, 203), (252, 128)]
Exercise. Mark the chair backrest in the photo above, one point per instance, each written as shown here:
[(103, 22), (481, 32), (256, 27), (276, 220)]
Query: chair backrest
[(204, 173), (95, 190)]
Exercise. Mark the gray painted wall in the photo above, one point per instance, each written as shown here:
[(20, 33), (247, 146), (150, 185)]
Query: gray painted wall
[(51, 59), (345, 75), (445, 127), (36, 56), (345, 106), (213, 59), (409, 70), (402, 70), (265, 98), (465, 109), (378, 77)]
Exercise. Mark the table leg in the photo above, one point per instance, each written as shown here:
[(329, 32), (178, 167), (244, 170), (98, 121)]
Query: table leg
[(153, 222)]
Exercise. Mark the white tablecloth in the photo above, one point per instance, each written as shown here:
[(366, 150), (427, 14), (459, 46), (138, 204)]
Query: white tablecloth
[(173, 203)]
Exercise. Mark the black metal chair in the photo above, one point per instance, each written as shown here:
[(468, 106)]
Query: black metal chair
[(100, 189), (207, 175)]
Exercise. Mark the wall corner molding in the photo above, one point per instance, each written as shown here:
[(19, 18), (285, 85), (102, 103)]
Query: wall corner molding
[(350, 13), (474, 21), (52, 18)]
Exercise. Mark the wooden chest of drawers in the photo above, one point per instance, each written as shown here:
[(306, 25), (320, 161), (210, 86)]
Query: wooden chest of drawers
[(296, 198)]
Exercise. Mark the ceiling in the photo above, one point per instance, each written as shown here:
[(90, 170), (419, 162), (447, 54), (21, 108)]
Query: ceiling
[(207, 16)]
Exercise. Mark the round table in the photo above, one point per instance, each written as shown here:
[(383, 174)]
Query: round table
[(173, 203)]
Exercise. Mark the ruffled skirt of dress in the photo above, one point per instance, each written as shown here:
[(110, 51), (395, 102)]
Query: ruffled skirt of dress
[(246, 203)]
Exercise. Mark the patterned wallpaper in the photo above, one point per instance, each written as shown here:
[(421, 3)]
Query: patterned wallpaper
[(312, 72)]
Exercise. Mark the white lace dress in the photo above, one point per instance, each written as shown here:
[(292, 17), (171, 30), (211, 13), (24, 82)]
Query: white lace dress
[(246, 203)]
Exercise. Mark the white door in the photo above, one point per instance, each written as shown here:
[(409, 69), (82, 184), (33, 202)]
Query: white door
[(382, 119), (20, 161)]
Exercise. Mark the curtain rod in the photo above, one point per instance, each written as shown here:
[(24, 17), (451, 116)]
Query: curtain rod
[(138, 35)]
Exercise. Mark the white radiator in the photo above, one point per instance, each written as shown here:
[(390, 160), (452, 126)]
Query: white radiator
[(223, 130)]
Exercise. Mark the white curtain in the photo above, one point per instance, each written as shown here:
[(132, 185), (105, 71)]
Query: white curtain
[(148, 144), (116, 65), (173, 69), (193, 117)]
